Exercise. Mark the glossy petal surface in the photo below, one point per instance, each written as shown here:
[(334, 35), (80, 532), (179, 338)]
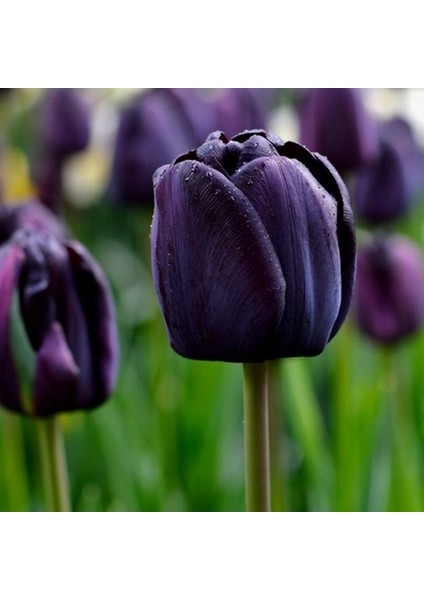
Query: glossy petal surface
[(302, 228), (218, 278)]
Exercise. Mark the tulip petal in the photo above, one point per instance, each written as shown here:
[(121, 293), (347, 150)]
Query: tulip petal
[(99, 314), (216, 272), (56, 374), (11, 259), (329, 178), (301, 219)]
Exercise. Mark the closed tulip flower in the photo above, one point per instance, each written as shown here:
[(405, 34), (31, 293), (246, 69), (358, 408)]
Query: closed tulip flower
[(64, 123), (65, 309), (385, 190), (238, 109), (157, 126), (335, 122), (253, 249), (389, 295)]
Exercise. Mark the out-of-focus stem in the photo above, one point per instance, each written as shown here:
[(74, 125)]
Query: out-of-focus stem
[(53, 465)]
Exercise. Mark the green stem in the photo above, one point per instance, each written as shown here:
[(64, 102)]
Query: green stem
[(53, 464), (276, 438), (256, 438)]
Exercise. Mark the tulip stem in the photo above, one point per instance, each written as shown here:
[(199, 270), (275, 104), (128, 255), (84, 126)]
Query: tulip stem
[(53, 464), (256, 438)]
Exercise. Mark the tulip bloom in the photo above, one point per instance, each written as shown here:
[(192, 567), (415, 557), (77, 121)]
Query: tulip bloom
[(64, 124), (238, 109), (65, 309), (385, 189), (389, 296), (156, 127), (253, 249), (334, 122)]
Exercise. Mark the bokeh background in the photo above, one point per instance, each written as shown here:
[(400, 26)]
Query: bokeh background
[(348, 425)]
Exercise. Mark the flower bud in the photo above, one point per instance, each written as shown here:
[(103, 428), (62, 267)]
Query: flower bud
[(389, 296), (238, 109), (334, 122), (65, 309), (385, 189), (156, 127), (64, 126), (253, 249)]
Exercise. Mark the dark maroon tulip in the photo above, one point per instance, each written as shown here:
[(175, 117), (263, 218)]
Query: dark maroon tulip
[(64, 126), (156, 127), (335, 122), (386, 189), (30, 215), (238, 109), (68, 316), (389, 295), (253, 249)]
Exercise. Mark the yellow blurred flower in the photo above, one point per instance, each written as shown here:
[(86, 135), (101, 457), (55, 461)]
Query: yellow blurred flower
[(15, 176)]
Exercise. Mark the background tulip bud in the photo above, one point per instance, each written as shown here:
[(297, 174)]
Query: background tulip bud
[(64, 125), (156, 127), (67, 314), (335, 122), (253, 249), (385, 189), (238, 109), (389, 295)]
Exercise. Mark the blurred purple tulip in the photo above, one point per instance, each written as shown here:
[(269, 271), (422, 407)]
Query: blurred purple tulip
[(386, 189), (335, 123), (64, 126), (156, 127), (253, 249), (67, 313), (389, 296), (238, 109)]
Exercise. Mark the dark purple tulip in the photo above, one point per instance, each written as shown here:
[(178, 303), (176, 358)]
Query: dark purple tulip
[(389, 294), (156, 127), (67, 313), (385, 190), (335, 122), (29, 215), (238, 109), (64, 126), (253, 249)]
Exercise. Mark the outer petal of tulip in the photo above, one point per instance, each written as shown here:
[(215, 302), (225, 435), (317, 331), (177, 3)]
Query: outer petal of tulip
[(56, 374), (329, 178), (95, 297), (217, 275), (301, 219), (389, 296)]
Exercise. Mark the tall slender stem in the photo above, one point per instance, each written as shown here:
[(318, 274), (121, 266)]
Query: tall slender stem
[(53, 464), (256, 438), (276, 438)]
